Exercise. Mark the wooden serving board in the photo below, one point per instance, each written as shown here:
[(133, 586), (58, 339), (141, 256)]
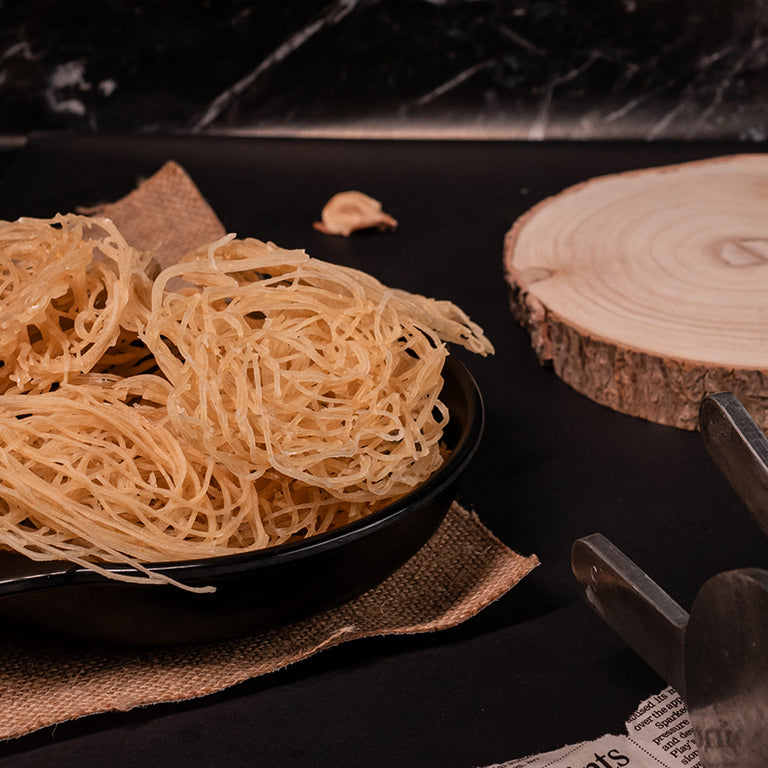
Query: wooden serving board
[(647, 290)]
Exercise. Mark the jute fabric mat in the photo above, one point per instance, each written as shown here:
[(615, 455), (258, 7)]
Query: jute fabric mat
[(461, 570), (165, 214)]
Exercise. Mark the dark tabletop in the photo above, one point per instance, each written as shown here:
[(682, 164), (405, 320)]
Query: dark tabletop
[(535, 670)]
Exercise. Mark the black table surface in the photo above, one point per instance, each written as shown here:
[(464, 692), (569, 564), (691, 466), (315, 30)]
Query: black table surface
[(537, 669)]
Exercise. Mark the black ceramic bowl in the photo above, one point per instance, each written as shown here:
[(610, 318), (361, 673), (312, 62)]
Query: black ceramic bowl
[(255, 590)]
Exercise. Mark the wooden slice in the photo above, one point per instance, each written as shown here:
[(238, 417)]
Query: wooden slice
[(648, 290)]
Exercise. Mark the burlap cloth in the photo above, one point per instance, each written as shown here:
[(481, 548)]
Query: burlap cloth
[(461, 570), (165, 214)]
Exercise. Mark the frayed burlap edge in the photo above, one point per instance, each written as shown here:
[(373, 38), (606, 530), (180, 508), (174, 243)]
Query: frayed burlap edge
[(165, 214), (461, 570)]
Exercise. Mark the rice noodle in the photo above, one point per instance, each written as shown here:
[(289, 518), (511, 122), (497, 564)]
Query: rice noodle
[(286, 362), (65, 288), (90, 478), (247, 397)]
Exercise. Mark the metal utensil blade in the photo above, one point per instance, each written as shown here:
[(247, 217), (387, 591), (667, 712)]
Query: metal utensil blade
[(726, 656), (633, 605), (740, 450)]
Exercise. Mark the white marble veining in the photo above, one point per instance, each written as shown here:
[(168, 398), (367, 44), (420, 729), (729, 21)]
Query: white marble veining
[(535, 70)]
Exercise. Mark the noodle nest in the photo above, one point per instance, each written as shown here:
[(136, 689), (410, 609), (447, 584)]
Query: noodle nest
[(246, 397)]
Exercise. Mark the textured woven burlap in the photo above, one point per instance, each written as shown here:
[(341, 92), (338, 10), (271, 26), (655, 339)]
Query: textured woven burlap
[(461, 570), (165, 214)]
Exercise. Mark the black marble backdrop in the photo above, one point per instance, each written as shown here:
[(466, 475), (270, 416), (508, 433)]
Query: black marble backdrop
[(535, 69)]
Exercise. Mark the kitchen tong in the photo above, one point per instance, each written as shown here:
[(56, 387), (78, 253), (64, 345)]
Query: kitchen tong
[(716, 656)]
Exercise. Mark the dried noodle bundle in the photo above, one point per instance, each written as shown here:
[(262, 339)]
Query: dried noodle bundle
[(250, 396), (68, 288), (88, 478), (283, 362)]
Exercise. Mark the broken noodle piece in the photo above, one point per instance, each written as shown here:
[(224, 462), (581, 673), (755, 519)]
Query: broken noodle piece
[(347, 212), (248, 397)]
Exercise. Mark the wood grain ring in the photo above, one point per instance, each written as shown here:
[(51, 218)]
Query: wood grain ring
[(647, 290)]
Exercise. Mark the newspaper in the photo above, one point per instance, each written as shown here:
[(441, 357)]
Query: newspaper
[(659, 735)]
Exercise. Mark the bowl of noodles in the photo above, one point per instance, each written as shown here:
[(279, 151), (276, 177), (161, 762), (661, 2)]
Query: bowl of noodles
[(240, 440)]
